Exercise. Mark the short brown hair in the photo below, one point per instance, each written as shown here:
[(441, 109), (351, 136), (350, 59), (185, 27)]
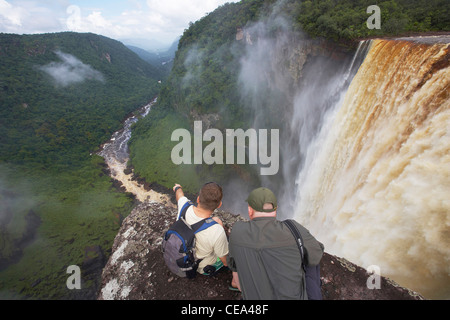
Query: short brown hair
[(210, 196)]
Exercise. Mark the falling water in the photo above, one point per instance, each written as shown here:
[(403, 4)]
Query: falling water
[(375, 187)]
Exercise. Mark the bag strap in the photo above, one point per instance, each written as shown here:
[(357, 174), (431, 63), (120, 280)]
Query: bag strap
[(199, 226), (183, 210), (202, 225), (298, 237)]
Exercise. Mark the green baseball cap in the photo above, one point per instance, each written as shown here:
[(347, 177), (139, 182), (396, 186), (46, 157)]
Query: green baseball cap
[(258, 197)]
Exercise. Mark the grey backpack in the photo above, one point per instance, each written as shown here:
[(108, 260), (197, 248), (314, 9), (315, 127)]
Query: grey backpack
[(178, 245)]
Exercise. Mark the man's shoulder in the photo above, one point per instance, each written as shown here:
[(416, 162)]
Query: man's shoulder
[(240, 225), (215, 227), (261, 232), (299, 226), (213, 234), (219, 232), (242, 232), (182, 201)]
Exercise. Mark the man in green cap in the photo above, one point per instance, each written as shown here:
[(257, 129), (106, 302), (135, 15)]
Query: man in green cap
[(264, 255)]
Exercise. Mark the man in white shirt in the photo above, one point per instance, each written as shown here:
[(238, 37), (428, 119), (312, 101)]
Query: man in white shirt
[(211, 244)]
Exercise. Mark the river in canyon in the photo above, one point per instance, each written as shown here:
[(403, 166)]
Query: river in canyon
[(374, 184), (116, 155)]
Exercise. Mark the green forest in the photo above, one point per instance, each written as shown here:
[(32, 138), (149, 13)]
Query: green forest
[(346, 20), (47, 123), (210, 88), (57, 199)]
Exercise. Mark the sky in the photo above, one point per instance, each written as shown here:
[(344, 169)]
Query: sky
[(146, 23)]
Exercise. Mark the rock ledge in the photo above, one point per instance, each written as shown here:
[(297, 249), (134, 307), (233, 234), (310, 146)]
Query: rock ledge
[(136, 269)]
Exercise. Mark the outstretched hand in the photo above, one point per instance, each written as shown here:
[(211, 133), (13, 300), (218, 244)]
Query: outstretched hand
[(179, 192)]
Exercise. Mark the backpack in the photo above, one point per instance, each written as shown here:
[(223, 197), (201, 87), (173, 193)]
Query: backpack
[(178, 245), (312, 273)]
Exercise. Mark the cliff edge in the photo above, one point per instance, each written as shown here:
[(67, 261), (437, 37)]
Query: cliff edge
[(136, 269)]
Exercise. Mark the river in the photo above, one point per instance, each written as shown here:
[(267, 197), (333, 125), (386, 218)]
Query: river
[(116, 154)]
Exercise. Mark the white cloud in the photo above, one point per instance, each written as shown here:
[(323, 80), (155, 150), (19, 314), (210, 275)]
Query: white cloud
[(94, 22), (161, 20), (24, 16), (30, 16), (177, 14), (70, 70), (9, 14)]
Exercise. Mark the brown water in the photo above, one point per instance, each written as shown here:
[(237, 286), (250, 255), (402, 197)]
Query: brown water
[(116, 154), (377, 187)]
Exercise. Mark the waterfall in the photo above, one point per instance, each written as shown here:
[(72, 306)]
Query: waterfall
[(375, 186)]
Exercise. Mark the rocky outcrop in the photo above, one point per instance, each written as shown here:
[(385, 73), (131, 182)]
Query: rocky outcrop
[(294, 50), (136, 270)]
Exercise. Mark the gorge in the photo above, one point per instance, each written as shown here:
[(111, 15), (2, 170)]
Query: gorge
[(362, 123), (374, 179), (116, 155)]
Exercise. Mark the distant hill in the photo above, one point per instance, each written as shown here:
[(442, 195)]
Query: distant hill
[(161, 60)]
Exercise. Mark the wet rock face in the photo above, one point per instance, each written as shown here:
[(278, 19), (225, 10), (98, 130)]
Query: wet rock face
[(136, 268), (343, 280)]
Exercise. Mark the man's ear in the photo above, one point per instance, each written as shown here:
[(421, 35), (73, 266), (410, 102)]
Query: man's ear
[(219, 205), (251, 212)]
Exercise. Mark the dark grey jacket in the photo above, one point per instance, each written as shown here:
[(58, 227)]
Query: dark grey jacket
[(265, 255)]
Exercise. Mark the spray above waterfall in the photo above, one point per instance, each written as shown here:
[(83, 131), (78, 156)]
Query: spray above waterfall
[(291, 83)]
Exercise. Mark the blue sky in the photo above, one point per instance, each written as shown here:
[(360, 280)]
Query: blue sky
[(145, 22)]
